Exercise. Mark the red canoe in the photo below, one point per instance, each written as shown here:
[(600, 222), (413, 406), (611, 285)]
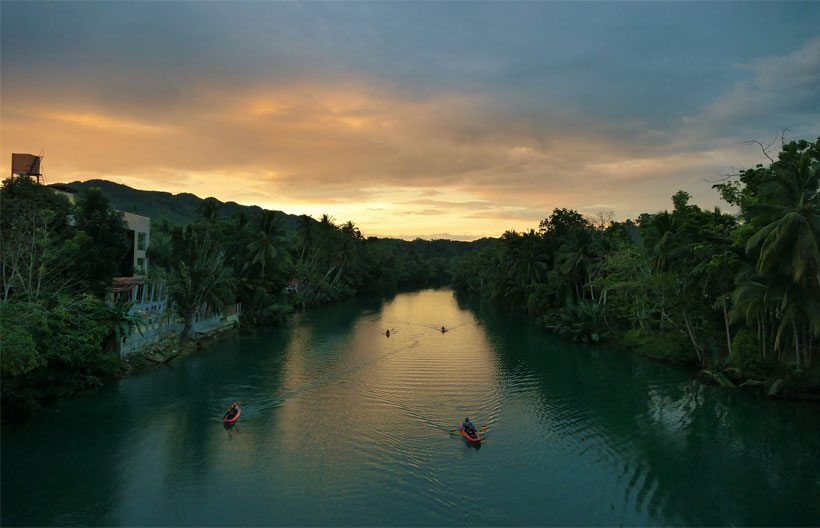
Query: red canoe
[(233, 419), (474, 439)]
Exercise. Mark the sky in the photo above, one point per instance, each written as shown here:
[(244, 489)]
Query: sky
[(434, 119)]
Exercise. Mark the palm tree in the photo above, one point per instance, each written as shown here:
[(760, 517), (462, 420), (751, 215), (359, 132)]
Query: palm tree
[(350, 235), (269, 241), (208, 210), (305, 231), (791, 240), (528, 260), (199, 276), (662, 239)]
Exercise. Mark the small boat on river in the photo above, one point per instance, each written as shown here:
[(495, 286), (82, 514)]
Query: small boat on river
[(231, 416), (470, 438)]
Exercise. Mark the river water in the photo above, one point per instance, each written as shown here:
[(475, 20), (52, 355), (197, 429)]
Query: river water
[(342, 425)]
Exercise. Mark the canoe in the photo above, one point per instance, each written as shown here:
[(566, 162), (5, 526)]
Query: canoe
[(474, 439), (233, 420)]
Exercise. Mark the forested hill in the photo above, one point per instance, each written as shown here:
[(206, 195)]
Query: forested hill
[(178, 209)]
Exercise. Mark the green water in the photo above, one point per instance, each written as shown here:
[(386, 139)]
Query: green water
[(342, 425)]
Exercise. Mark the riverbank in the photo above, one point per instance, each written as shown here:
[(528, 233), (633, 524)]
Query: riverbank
[(169, 349), (777, 383), (335, 414)]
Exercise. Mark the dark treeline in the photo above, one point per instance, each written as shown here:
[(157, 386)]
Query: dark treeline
[(736, 295), (59, 335), (58, 261), (270, 270)]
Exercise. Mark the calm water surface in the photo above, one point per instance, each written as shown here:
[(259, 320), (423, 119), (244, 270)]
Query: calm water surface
[(341, 425)]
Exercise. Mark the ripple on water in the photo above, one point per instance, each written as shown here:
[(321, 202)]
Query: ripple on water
[(343, 426)]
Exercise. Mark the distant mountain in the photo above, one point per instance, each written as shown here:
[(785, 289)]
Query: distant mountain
[(178, 209)]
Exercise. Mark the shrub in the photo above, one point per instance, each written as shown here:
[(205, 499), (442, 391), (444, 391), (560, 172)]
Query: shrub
[(747, 357)]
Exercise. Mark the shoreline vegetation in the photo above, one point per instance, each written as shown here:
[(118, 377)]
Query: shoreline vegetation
[(736, 297), (169, 348)]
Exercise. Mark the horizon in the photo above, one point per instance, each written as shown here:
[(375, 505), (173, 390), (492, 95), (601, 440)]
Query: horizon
[(455, 121)]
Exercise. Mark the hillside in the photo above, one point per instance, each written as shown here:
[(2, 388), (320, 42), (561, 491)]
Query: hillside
[(178, 209)]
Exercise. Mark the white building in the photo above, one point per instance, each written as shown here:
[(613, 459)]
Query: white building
[(141, 228)]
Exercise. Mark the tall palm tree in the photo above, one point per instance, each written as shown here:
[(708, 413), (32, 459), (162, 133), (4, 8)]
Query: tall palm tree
[(790, 241), (662, 240), (789, 245), (305, 231), (199, 275), (529, 260), (269, 242), (209, 210), (350, 235)]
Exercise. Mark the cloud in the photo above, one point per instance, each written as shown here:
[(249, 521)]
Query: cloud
[(432, 236), (103, 122), (466, 119), (782, 91)]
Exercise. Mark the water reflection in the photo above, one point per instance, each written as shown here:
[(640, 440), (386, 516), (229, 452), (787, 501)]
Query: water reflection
[(687, 453), (341, 426)]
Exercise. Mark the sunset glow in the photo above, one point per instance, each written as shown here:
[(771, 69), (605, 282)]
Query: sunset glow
[(432, 120)]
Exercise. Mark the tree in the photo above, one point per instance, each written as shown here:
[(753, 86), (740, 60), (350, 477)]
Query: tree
[(199, 276), (782, 205), (34, 228), (54, 347), (790, 240), (208, 211), (101, 242), (268, 242)]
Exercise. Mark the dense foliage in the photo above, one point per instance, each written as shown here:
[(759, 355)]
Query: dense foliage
[(735, 292), (738, 295), (58, 261), (269, 270)]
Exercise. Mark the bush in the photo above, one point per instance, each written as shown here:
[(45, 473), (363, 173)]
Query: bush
[(668, 346), (747, 357), (582, 321), (53, 348)]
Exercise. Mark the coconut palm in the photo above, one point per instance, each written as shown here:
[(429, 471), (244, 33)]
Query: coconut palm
[(269, 242), (350, 235), (199, 275), (790, 241), (306, 236), (528, 259)]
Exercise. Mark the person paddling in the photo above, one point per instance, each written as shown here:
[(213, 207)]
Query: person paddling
[(233, 410), (387, 332), (443, 330), (469, 428)]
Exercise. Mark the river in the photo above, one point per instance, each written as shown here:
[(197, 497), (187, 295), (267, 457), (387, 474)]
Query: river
[(344, 426)]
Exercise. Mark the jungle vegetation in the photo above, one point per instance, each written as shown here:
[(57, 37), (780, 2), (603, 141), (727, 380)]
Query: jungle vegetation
[(58, 260), (737, 295)]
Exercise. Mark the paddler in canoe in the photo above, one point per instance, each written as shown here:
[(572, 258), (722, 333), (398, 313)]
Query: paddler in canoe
[(469, 428), (232, 412)]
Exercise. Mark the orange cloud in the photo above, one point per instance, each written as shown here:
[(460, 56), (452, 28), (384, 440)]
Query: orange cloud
[(104, 122), (348, 150)]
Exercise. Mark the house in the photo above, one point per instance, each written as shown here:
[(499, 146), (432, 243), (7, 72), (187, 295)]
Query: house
[(136, 263)]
